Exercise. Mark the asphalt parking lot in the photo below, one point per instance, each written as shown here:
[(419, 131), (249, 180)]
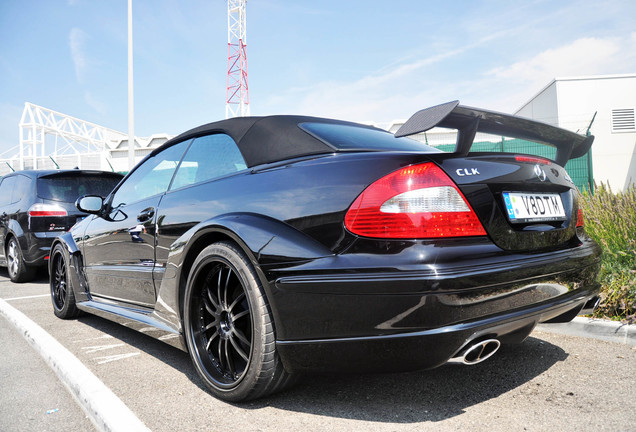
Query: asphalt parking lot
[(550, 382)]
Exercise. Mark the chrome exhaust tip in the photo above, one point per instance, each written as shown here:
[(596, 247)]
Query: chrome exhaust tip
[(477, 352), (590, 306)]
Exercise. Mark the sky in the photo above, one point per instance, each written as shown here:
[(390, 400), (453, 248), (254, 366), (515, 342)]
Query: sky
[(370, 61)]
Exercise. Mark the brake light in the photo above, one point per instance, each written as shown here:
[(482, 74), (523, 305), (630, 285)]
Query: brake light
[(532, 159), (419, 201), (579, 218), (40, 210)]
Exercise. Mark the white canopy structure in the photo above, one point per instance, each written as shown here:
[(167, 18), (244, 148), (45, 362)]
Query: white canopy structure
[(50, 139), (69, 136)]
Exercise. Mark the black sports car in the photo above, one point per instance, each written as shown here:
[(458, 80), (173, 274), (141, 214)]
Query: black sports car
[(269, 246)]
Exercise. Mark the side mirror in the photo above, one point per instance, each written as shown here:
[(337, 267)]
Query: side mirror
[(92, 204)]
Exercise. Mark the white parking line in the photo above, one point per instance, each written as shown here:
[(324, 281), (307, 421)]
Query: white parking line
[(27, 297), (101, 405), (108, 359), (94, 349), (106, 336)]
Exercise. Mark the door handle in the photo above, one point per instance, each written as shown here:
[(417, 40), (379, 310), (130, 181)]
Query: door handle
[(146, 214)]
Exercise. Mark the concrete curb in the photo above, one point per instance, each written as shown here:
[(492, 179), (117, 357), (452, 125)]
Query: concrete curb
[(105, 410), (610, 331)]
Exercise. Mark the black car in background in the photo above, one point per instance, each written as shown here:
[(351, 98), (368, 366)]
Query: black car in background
[(270, 246), (36, 207)]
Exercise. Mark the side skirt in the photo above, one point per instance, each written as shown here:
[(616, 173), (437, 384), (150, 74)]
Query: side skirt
[(136, 319)]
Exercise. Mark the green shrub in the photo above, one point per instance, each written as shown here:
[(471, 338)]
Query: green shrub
[(610, 219)]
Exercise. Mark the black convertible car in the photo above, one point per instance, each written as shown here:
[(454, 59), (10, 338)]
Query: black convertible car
[(270, 246)]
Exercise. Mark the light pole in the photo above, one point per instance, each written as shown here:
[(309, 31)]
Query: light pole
[(131, 102)]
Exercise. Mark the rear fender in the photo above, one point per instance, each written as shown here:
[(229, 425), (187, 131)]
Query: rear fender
[(264, 240), (15, 230)]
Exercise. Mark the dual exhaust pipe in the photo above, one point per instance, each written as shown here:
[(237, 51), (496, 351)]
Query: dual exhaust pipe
[(476, 352)]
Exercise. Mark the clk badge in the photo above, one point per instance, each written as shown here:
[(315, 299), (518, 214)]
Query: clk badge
[(538, 171), (467, 172)]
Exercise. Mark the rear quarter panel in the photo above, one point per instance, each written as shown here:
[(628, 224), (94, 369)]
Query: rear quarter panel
[(311, 196)]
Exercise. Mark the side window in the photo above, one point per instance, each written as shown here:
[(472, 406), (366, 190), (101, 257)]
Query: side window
[(20, 188), (208, 157), (151, 178), (6, 188)]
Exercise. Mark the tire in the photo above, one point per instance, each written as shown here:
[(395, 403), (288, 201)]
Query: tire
[(18, 271), (228, 326), (62, 295)]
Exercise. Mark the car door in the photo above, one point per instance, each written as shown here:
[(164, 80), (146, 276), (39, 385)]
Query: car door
[(119, 246), (194, 195)]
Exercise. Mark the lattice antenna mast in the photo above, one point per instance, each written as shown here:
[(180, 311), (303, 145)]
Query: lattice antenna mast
[(237, 103)]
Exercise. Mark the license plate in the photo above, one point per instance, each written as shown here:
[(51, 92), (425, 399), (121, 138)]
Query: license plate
[(533, 207)]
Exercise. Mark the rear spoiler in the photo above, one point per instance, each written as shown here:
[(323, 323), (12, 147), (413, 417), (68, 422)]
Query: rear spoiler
[(468, 121)]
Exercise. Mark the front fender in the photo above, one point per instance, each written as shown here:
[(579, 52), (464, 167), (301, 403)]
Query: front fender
[(67, 241), (74, 262)]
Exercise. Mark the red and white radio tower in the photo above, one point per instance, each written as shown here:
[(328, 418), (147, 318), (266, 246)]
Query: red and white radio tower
[(237, 103)]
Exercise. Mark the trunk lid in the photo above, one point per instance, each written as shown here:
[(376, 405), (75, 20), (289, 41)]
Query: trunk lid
[(524, 203), (48, 217), (59, 191)]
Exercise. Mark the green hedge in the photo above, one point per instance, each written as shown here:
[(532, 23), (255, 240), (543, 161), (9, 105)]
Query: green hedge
[(610, 219)]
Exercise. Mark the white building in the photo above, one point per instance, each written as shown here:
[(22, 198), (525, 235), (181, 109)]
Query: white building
[(572, 103)]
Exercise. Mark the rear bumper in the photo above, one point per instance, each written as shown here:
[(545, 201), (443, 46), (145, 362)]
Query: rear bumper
[(419, 350), (416, 316), (38, 247)]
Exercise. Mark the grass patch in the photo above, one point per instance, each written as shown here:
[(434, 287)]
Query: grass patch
[(610, 219)]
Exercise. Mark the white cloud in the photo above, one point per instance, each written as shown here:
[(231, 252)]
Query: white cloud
[(77, 42), (94, 103), (9, 130), (399, 90), (585, 56), (396, 90)]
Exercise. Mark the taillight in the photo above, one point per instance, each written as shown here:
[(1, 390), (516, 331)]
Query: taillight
[(40, 210), (579, 218), (419, 201)]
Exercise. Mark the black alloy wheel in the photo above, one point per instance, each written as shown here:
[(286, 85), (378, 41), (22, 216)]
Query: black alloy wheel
[(62, 295), (224, 323), (228, 326)]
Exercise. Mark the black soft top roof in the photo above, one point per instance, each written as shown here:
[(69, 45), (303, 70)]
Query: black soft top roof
[(275, 138), (268, 139)]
